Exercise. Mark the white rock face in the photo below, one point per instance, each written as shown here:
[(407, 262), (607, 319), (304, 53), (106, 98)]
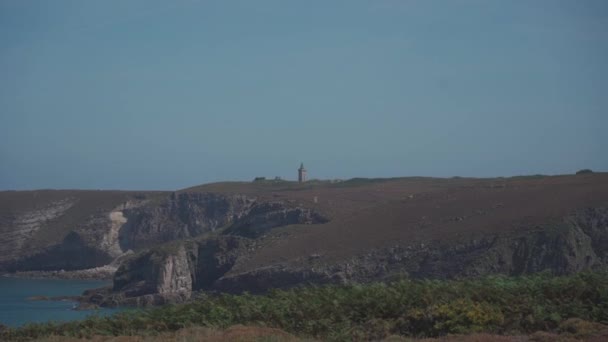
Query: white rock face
[(175, 275), (110, 241)]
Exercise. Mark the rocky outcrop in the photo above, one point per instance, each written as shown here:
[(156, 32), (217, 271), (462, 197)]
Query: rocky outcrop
[(264, 216), (560, 250), (90, 242), (17, 228), (594, 223), (186, 215), (171, 273), (55, 230), (574, 245), (278, 276), (76, 233), (175, 275), (73, 253), (97, 273), (181, 216)]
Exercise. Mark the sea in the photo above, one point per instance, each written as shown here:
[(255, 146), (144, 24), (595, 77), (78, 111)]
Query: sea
[(16, 309)]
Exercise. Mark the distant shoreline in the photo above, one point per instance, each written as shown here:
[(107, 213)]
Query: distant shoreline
[(98, 273)]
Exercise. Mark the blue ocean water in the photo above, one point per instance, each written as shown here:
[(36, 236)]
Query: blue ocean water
[(16, 309)]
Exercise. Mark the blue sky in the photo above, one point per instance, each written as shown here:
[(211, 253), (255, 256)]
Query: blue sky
[(169, 94)]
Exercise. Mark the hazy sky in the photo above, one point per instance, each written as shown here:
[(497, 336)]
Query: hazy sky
[(169, 94)]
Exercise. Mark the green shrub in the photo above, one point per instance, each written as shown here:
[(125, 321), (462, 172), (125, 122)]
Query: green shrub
[(493, 304)]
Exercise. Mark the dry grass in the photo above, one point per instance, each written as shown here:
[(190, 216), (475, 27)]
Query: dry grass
[(237, 333)]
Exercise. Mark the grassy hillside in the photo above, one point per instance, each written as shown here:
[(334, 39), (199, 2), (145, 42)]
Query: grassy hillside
[(367, 214), (574, 305)]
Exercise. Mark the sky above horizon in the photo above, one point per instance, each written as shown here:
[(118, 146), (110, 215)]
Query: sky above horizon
[(169, 94)]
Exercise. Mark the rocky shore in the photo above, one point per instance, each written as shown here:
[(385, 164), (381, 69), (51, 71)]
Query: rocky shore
[(97, 273)]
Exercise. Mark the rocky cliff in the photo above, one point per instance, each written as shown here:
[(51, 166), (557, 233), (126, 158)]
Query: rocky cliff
[(191, 214), (171, 273), (181, 216), (567, 247), (67, 233), (572, 245), (54, 230), (254, 236)]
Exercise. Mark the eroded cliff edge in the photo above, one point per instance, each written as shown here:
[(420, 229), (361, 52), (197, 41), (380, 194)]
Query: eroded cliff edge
[(174, 273), (77, 230)]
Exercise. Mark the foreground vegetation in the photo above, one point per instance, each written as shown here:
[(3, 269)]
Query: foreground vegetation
[(499, 305)]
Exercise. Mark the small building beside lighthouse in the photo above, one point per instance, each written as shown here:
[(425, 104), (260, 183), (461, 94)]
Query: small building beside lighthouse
[(301, 173)]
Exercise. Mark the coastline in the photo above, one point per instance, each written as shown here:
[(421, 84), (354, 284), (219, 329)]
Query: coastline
[(28, 300), (97, 273)]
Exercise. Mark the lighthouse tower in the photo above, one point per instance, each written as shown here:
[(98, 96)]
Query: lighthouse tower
[(302, 173)]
